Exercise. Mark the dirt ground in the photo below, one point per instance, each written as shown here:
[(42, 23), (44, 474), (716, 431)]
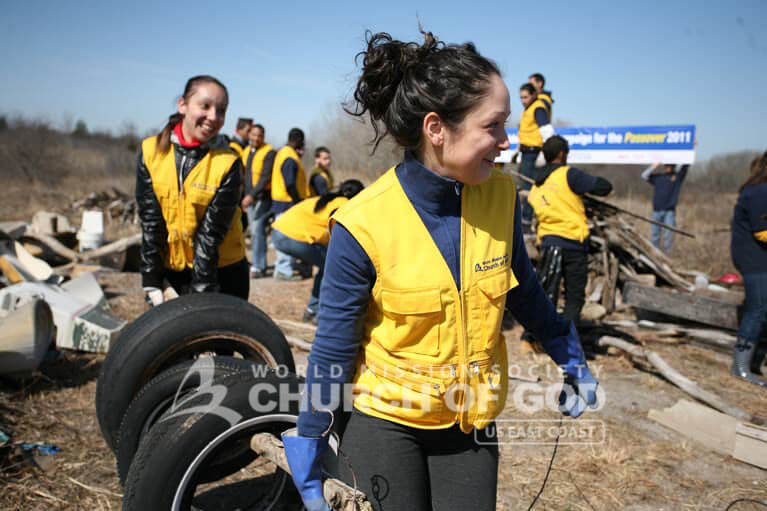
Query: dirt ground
[(639, 465)]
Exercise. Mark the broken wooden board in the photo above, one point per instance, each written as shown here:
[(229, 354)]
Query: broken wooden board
[(750, 444), (714, 429), (682, 305)]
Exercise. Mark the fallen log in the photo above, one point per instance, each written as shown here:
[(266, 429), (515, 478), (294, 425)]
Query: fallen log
[(701, 309), (116, 246), (73, 256), (678, 379)]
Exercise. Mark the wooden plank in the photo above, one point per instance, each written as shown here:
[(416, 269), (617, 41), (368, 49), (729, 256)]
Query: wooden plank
[(608, 299), (682, 305), (750, 444), (714, 429), (678, 379)]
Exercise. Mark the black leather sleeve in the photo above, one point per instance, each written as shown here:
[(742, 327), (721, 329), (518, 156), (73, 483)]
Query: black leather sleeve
[(213, 228), (154, 232)]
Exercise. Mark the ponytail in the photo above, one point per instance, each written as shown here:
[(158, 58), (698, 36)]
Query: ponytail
[(348, 189), (163, 138)]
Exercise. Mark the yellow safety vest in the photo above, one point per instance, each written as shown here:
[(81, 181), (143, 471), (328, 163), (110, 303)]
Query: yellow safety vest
[(528, 128), (279, 190), (325, 175), (184, 209), (433, 355), (236, 147), (257, 163), (560, 211), (301, 223)]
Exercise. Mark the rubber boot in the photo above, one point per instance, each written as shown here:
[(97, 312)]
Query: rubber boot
[(741, 362)]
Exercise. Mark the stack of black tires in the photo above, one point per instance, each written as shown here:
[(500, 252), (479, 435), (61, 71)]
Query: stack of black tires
[(181, 393)]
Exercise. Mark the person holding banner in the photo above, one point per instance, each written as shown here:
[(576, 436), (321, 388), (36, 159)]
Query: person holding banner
[(667, 183), (534, 129)]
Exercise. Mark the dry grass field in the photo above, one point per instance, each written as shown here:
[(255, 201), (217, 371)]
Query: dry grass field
[(639, 465)]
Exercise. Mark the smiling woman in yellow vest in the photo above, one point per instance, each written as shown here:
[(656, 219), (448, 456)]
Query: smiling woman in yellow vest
[(420, 267), (188, 193), (302, 232)]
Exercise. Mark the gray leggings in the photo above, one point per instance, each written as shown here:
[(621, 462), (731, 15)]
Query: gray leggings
[(401, 468)]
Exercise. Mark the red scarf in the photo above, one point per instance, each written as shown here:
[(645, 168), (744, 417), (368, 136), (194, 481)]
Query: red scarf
[(181, 140)]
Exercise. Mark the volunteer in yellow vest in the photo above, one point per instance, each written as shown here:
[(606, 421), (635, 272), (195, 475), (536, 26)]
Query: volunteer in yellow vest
[(534, 128), (302, 232), (320, 178), (188, 193), (259, 159), (539, 82), (239, 141), (288, 188), (562, 227), (419, 268)]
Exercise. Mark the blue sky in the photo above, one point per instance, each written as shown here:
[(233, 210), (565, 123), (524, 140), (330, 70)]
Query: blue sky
[(289, 64)]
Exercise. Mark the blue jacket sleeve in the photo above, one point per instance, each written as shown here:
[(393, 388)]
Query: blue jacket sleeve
[(289, 171), (346, 285), (532, 307), (319, 184), (580, 182), (541, 116), (528, 301)]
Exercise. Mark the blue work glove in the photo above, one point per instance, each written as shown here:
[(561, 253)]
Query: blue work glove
[(304, 456), (577, 394), (580, 385)]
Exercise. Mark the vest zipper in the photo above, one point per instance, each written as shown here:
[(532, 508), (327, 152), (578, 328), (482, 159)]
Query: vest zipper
[(463, 345)]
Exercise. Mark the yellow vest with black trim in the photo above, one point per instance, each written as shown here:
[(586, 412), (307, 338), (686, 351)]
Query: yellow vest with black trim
[(433, 355), (547, 101), (257, 163), (184, 209), (528, 128), (236, 147), (325, 175), (279, 190), (560, 211), (301, 223)]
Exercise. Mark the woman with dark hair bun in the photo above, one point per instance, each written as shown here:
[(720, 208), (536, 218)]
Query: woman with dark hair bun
[(419, 268), (188, 193)]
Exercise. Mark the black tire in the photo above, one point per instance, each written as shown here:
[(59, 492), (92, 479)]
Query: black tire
[(157, 396), (177, 331), (181, 452)]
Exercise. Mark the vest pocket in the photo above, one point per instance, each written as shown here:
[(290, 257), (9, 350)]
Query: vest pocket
[(489, 387), (400, 397), (414, 320), (492, 302), (200, 199)]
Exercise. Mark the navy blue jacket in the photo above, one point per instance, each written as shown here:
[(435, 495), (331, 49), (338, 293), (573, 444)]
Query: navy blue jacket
[(667, 187), (749, 254), (350, 275)]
